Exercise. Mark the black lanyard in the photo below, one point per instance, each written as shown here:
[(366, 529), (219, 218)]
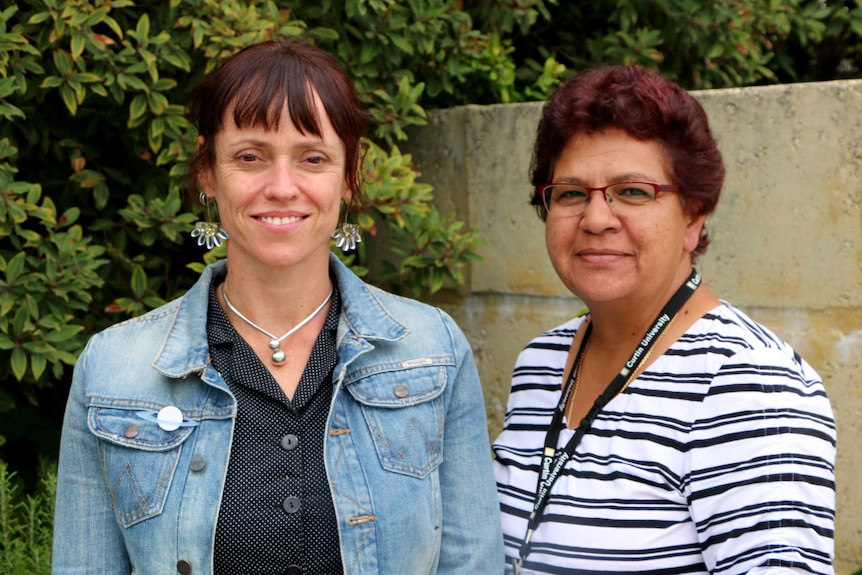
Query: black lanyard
[(552, 464)]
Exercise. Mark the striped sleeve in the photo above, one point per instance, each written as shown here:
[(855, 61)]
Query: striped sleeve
[(774, 508)]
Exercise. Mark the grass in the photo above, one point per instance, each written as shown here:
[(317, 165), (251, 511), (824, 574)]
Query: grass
[(26, 523)]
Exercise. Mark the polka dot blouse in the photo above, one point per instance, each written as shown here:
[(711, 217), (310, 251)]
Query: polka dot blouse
[(277, 514)]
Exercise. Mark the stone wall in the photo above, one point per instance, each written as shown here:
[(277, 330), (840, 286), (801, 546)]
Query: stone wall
[(786, 241)]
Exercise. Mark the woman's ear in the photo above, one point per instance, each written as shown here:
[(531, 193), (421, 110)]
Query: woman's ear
[(692, 232)]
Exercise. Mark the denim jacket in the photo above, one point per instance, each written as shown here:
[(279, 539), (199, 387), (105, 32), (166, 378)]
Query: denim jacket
[(407, 451)]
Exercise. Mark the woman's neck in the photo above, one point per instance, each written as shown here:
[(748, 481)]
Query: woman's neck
[(621, 332), (625, 321), (276, 297)]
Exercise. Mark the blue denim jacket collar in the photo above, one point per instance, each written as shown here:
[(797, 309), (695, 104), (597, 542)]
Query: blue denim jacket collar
[(364, 319)]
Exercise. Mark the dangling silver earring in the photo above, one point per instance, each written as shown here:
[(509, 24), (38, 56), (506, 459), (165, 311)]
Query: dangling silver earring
[(209, 233), (346, 236)]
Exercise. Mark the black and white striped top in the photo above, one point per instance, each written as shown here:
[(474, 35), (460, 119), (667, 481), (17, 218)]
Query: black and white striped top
[(718, 459)]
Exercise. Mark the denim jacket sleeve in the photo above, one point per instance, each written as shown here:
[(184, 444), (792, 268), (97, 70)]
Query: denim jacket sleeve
[(87, 537)]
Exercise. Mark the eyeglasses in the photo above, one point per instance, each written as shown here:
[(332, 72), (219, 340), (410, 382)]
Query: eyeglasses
[(565, 200)]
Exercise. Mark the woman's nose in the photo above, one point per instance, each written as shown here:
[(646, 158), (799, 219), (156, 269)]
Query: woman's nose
[(598, 214), (282, 182)]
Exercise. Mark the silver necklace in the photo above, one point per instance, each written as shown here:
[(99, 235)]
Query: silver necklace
[(278, 356)]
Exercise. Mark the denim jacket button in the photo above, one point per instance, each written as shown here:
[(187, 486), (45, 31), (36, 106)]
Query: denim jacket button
[(131, 431), (184, 567), (291, 504), (294, 570), (401, 391), (289, 442), (198, 462)]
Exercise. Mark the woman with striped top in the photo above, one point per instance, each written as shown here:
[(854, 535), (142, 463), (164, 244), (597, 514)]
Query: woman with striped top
[(664, 431)]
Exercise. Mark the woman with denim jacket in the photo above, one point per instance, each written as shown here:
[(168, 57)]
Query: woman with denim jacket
[(282, 417)]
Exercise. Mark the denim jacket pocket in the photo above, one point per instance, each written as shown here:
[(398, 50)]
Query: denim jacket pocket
[(403, 407), (138, 460)]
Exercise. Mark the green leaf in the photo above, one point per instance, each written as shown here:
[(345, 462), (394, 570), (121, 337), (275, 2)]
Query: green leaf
[(68, 96), (137, 108), (163, 85), (38, 362), (402, 43), (85, 78), (14, 268), (18, 363), (6, 303), (65, 357), (37, 347), (51, 82), (77, 45), (39, 17), (6, 342), (97, 16), (32, 306), (62, 62), (142, 32), (64, 333), (101, 194), (139, 281)]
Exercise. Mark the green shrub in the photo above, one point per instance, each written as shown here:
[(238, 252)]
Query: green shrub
[(93, 144), (703, 43), (26, 523)]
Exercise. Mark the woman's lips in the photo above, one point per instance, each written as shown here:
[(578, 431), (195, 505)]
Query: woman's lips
[(601, 256)]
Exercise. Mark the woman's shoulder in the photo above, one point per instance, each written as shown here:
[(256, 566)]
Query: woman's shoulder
[(165, 311), (548, 350), (394, 301), (133, 336), (736, 329), (733, 341), (361, 298), (560, 336), (192, 304)]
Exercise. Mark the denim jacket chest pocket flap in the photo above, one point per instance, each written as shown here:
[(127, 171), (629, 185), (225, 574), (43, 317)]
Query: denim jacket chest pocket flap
[(138, 458), (403, 405)]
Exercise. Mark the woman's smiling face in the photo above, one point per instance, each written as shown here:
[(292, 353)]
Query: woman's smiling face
[(278, 191), (603, 256)]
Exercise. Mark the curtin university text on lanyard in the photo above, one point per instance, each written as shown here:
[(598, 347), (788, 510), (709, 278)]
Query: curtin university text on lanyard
[(552, 464)]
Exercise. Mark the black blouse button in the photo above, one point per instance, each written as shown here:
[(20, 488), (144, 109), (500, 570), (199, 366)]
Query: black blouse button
[(401, 391), (184, 567), (294, 570), (131, 431), (291, 504), (289, 442), (198, 462)]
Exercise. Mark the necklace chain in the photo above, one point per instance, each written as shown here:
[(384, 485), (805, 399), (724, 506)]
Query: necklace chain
[(570, 404), (278, 356)]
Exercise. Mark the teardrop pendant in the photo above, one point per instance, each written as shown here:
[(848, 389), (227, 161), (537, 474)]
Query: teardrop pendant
[(274, 344)]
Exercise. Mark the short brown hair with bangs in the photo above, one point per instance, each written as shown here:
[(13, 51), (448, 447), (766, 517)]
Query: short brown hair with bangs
[(257, 81), (646, 106)]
